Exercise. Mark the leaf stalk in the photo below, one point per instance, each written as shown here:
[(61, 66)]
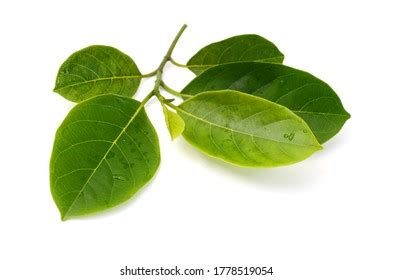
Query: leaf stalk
[(174, 62), (172, 91)]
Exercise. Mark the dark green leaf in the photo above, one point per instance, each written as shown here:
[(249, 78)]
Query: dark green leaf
[(246, 130), (238, 48), (97, 70), (307, 96), (104, 152)]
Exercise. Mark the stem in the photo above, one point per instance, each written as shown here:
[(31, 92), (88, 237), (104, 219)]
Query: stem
[(158, 73), (174, 62), (172, 91), (148, 75), (147, 98), (169, 104), (166, 58), (164, 101)]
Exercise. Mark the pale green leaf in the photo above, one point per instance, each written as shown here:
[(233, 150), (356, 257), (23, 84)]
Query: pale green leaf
[(246, 130), (174, 123)]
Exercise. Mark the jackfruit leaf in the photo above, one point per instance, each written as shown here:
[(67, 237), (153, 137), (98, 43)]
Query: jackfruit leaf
[(246, 130), (105, 150), (174, 123), (248, 47), (97, 70)]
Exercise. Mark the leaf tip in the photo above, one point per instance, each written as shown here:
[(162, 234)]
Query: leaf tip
[(64, 215), (63, 218)]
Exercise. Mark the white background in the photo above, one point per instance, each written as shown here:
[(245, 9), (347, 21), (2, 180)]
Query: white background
[(329, 217)]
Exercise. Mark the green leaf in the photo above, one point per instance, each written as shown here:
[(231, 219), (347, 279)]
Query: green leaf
[(307, 96), (238, 48), (174, 123), (105, 150), (246, 130), (97, 70)]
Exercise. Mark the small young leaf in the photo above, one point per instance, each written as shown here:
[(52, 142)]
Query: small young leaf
[(97, 70), (174, 123), (307, 96), (246, 130), (238, 48), (105, 150)]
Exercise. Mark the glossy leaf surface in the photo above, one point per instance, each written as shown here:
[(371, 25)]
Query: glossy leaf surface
[(97, 70), (246, 130), (307, 96), (105, 150), (247, 47), (174, 123)]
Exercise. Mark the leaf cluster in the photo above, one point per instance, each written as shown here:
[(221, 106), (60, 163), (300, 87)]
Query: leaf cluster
[(243, 107)]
